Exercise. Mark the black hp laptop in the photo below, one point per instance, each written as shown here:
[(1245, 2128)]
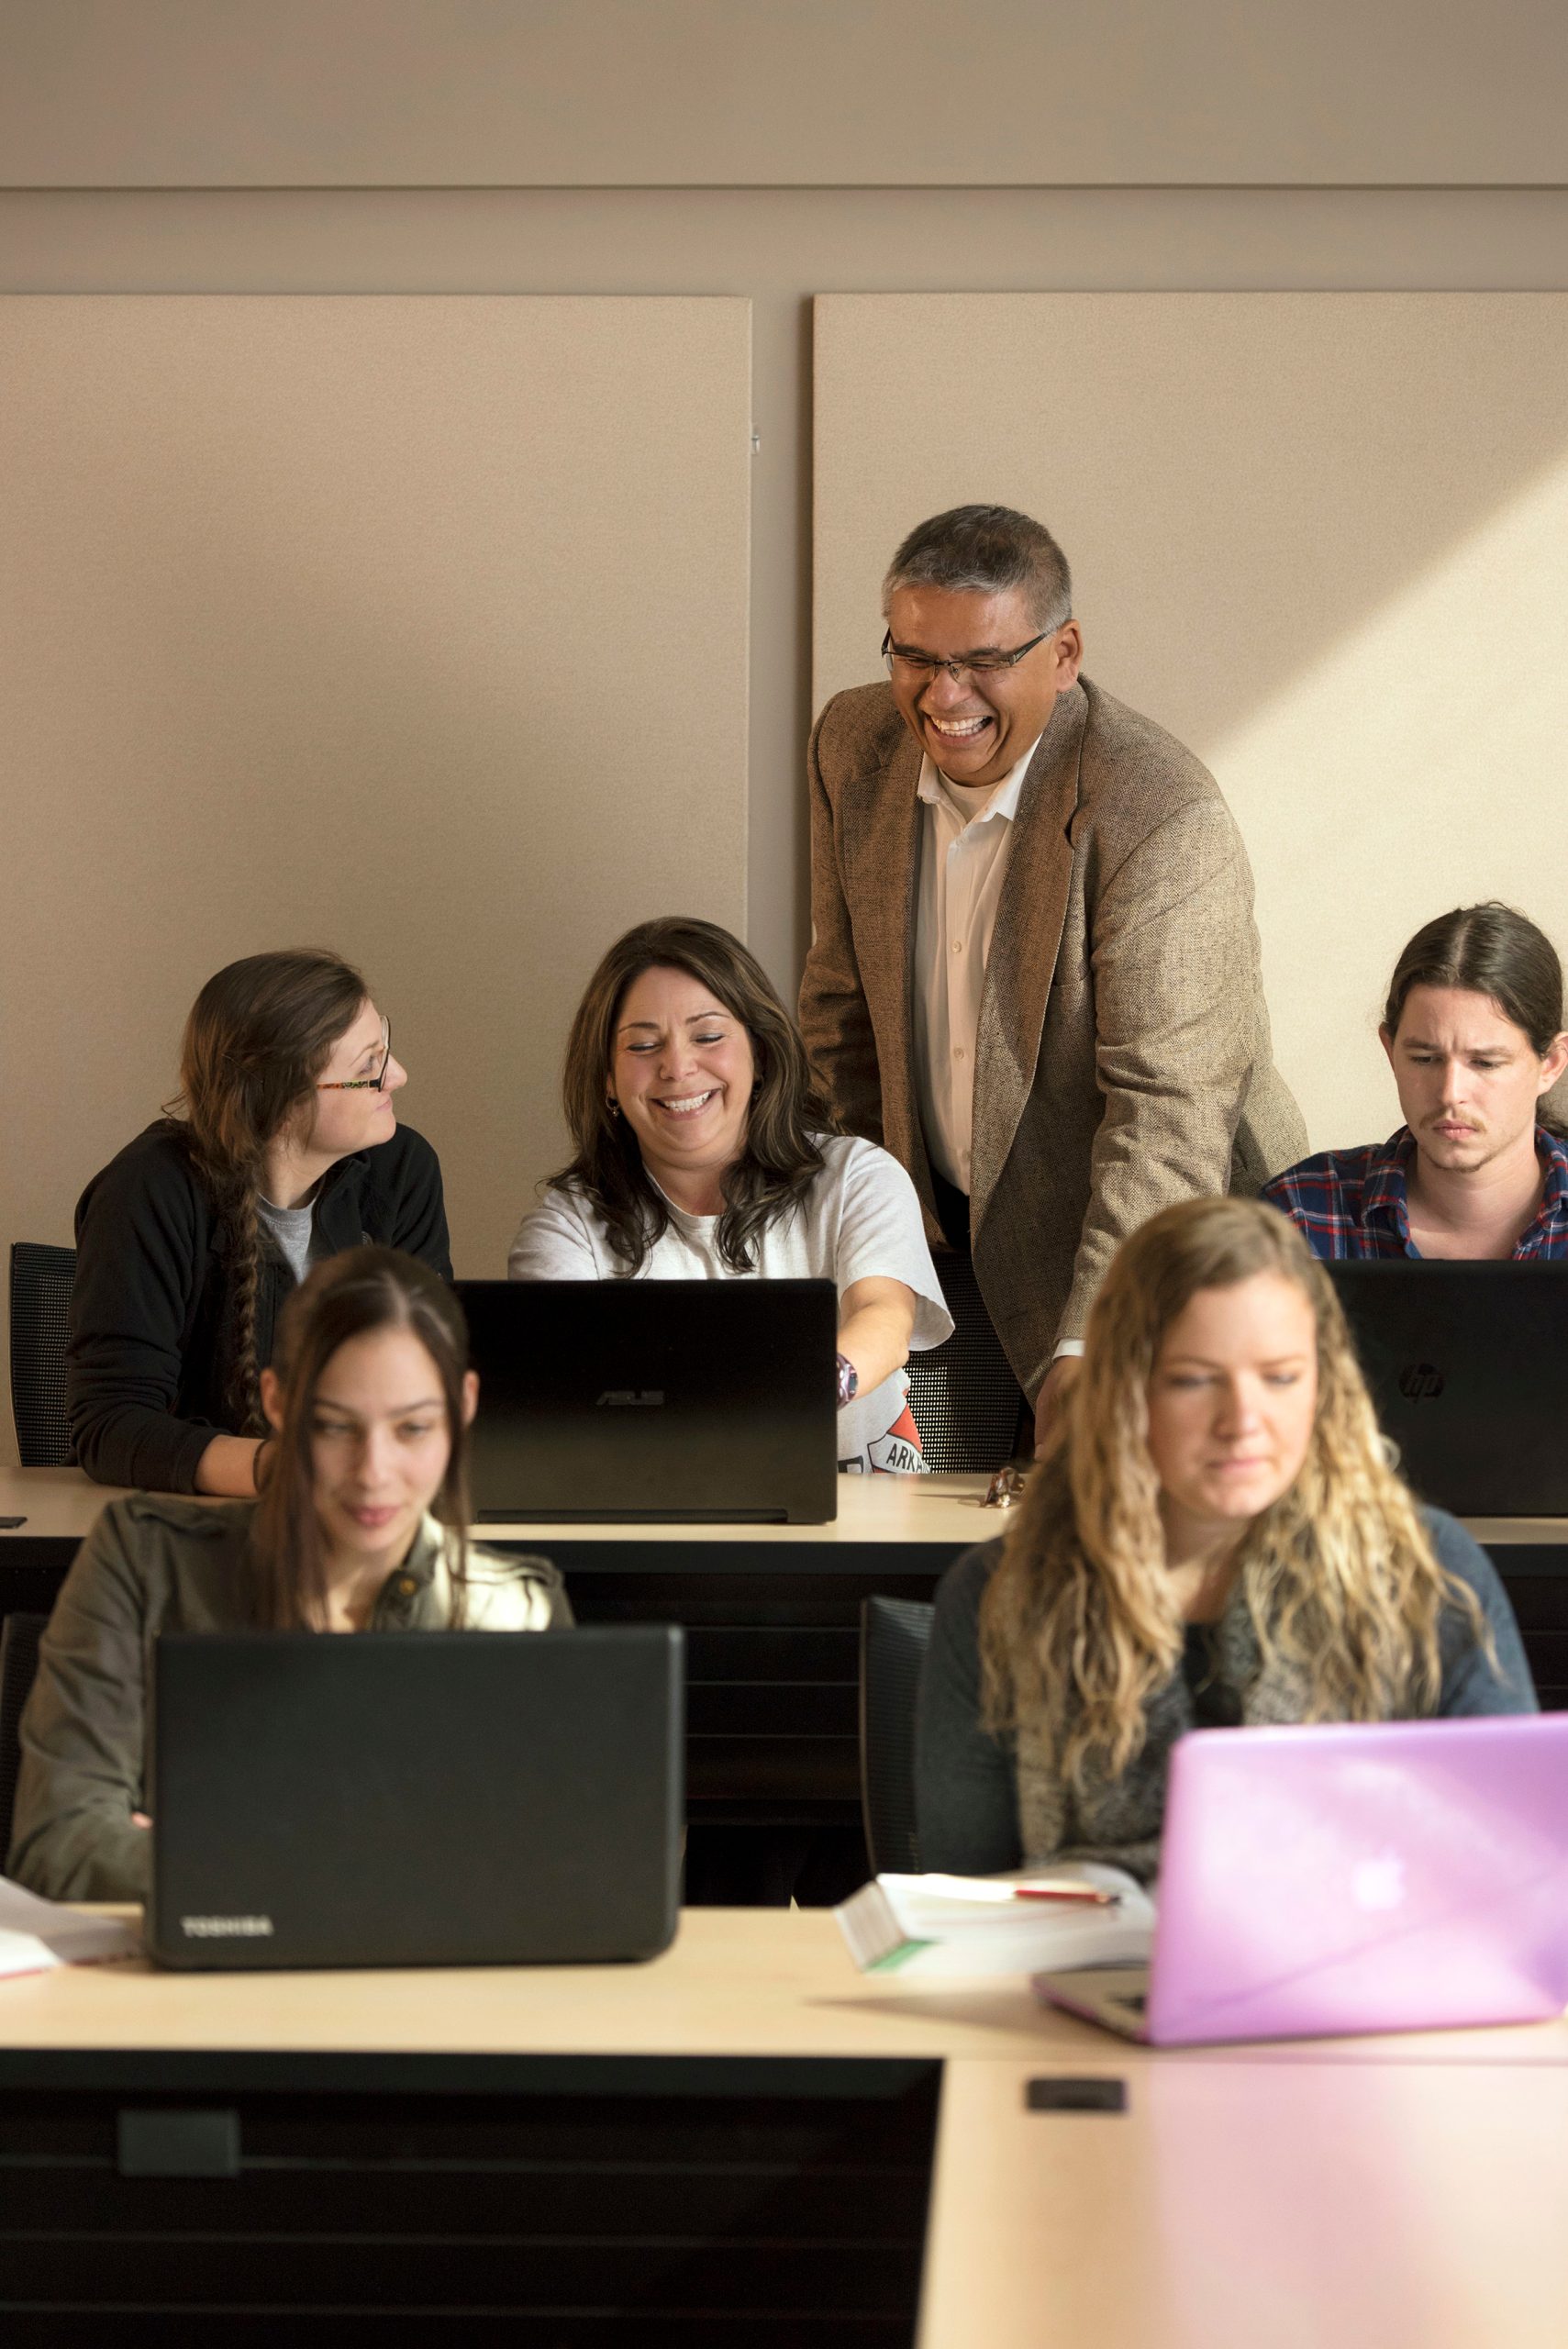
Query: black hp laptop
[(416, 1798), (701, 1400), (1468, 1366)]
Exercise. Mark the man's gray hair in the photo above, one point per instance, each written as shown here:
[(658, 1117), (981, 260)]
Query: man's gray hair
[(985, 549)]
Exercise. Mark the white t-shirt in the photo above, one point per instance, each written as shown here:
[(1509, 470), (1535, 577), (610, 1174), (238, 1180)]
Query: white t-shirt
[(860, 1220)]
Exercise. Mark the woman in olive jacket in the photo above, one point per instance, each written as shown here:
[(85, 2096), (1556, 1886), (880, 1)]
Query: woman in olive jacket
[(361, 1526)]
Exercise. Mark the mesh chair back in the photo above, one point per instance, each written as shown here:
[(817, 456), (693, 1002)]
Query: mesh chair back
[(895, 1633), (966, 1402), (19, 1636), (41, 1280)]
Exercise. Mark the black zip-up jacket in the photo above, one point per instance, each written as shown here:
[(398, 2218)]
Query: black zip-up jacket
[(153, 1317)]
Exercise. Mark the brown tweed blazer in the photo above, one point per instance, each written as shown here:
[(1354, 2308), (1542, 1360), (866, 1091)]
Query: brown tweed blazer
[(1123, 1058)]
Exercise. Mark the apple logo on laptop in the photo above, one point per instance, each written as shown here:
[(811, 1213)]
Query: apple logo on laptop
[(1379, 1884)]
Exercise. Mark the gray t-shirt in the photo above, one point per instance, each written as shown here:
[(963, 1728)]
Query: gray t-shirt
[(860, 1220), (293, 1233)]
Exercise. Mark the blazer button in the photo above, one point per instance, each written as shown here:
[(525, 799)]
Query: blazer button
[(407, 1586)]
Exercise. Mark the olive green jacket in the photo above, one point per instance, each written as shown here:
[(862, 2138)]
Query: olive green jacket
[(152, 1564)]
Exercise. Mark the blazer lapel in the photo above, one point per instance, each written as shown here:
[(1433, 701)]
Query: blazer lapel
[(886, 830), (1024, 946)]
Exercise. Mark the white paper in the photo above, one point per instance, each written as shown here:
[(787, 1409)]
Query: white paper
[(37, 1934), (922, 1926)]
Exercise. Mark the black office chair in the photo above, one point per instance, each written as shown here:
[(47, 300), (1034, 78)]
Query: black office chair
[(968, 1405), (41, 1279), (19, 1636), (895, 1633)]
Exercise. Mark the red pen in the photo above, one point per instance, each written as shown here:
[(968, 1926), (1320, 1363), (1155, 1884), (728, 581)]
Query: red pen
[(1089, 1894)]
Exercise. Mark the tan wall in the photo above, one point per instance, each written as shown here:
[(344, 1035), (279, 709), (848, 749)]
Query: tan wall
[(94, 141), (781, 92), (299, 600), (1323, 537)]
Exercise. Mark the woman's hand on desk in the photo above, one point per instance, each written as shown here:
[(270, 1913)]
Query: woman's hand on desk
[(877, 1320)]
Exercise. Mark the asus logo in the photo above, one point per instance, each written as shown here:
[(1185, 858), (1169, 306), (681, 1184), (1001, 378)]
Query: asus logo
[(213, 1929), (640, 1399)]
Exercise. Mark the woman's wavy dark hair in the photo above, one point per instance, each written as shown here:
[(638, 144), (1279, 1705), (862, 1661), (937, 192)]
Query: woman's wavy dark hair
[(780, 1155), (259, 1034), (365, 1289), (1497, 953)]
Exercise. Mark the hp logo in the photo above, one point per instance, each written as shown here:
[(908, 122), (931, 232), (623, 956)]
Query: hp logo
[(1420, 1382)]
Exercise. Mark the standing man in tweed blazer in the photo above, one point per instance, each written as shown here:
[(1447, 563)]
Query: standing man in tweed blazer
[(1034, 971)]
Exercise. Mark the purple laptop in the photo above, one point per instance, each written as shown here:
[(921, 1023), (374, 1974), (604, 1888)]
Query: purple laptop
[(1400, 1876)]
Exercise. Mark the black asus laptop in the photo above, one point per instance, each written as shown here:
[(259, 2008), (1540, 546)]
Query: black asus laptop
[(1468, 1366), (416, 1798), (701, 1400)]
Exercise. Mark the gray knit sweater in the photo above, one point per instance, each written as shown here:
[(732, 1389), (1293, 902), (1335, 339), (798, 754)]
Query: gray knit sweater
[(984, 1803)]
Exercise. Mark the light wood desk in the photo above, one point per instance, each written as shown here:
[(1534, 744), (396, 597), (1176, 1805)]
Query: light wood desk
[(1382, 2192)]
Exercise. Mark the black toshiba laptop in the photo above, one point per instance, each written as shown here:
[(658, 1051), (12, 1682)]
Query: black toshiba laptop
[(1468, 1366), (694, 1400), (416, 1798)]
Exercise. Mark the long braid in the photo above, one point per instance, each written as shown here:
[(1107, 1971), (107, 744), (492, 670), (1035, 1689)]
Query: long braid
[(244, 1380), (257, 1035)]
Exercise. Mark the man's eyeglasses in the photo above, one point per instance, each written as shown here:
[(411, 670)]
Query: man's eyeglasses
[(911, 665), (363, 1084)]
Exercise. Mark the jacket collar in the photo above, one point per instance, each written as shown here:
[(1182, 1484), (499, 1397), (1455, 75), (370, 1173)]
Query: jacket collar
[(412, 1590)]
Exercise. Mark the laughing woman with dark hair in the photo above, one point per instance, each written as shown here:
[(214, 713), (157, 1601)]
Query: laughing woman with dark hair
[(286, 1149), (703, 1152), (362, 1526)]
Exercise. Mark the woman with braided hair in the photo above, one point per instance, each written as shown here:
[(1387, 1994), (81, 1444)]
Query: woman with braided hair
[(1216, 1538), (282, 1148)]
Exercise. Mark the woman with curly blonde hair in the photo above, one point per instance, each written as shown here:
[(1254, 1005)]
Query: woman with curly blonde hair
[(1216, 1538)]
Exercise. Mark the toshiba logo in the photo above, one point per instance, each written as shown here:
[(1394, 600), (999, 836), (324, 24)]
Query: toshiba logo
[(637, 1399), (225, 1929)]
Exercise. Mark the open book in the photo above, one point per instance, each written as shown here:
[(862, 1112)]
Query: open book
[(956, 1925)]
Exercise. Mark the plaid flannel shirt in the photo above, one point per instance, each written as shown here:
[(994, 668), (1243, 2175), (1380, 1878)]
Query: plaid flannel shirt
[(1353, 1202)]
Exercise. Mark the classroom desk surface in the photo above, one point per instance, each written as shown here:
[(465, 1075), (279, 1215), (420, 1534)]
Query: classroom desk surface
[(1396, 2193), (901, 1511), (1243, 2205), (767, 1982)]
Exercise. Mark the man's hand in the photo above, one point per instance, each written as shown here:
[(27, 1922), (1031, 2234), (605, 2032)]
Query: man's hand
[(1048, 1403)]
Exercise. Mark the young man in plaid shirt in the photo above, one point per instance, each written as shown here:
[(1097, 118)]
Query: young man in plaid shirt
[(1474, 1035)]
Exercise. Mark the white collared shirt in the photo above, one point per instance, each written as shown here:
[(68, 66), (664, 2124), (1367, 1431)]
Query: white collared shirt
[(964, 839)]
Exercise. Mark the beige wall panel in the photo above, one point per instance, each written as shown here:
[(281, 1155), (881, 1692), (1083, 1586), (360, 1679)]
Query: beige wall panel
[(329, 620), (1322, 538), (787, 93)]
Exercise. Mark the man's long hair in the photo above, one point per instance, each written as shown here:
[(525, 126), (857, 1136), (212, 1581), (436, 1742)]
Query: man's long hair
[(1078, 1626), (1494, 951)]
